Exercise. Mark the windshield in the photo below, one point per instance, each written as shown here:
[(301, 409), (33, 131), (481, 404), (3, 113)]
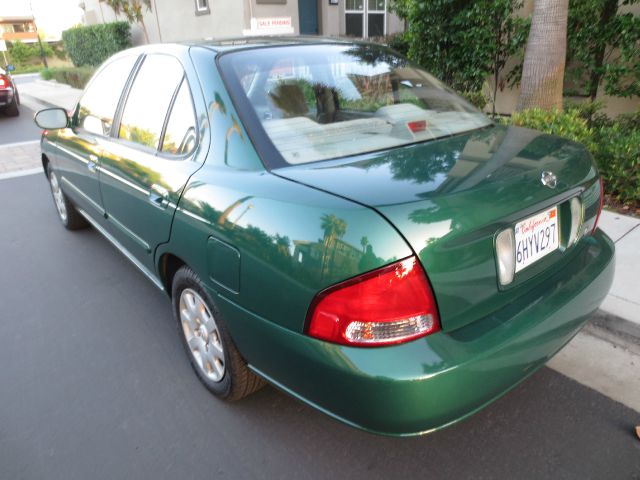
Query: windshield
[(319, 102)]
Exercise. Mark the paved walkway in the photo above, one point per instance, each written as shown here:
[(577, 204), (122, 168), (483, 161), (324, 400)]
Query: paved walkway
[(19, 157)]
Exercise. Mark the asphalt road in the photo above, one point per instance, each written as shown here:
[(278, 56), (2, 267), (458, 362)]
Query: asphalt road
[(94, 384), (20, 128)]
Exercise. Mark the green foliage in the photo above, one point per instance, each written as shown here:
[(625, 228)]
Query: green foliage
[(398, 42), (132, 11), (477, 99), (27, 69), (77, 77), (602, 47), (21, 53), (569, 124), (615, 144), (463, 43), (618, 157), (25, 53), (94, 44)]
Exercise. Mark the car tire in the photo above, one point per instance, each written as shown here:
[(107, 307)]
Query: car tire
[(67, 212), (206, 340), (12, 109)]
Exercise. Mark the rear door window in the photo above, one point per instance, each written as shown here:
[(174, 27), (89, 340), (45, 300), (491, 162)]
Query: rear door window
[(148, 100), (180, 134)]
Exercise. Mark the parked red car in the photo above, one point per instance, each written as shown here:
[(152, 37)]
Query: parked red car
[(9, 98)]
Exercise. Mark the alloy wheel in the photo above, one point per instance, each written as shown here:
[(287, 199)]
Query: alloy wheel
[(202, 335), (58, 196)]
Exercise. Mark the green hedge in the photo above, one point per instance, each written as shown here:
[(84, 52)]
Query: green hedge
[(615, 144), (77, 77), (94, 44)]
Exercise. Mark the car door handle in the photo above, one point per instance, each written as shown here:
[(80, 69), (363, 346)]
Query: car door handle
[(92, 164), (159, 196)]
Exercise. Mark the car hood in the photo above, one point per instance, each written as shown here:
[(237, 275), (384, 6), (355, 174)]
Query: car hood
[(449, 197)]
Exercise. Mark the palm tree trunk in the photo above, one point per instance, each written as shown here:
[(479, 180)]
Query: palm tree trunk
[(144, 31), (543, 69)]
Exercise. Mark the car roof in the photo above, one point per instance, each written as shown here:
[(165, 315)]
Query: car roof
[(242, 43), (223, 45)]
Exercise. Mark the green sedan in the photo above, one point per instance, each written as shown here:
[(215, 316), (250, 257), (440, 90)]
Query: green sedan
[(331, 219)]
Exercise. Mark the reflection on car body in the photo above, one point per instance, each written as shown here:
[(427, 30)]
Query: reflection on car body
[(328, 217)]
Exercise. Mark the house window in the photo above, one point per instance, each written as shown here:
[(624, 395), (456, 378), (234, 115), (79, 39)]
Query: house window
[(365, 18), (354, 12), (202, 7)]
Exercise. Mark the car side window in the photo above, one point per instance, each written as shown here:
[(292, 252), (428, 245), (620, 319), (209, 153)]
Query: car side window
[(149, 99), (180, 134), (100, 100)]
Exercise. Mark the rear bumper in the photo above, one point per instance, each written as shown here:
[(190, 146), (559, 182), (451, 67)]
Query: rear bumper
[(440, 379), (6, 96)]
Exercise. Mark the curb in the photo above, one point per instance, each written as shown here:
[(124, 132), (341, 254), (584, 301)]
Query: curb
[(617, 326)]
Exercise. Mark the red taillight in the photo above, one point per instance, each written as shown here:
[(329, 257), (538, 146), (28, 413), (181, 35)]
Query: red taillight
[(393, 304), (417, 126), (595, 225), (4, 81)]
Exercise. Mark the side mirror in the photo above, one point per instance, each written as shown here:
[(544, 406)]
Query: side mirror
[(10, 68), (52, 118)]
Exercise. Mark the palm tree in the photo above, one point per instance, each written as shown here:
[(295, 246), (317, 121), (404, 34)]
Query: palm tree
[(364, 241), (333, 228), (544, 59), (132, 10)]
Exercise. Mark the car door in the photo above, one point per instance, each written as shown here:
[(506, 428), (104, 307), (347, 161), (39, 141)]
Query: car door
[(144, 169), (79, 147)]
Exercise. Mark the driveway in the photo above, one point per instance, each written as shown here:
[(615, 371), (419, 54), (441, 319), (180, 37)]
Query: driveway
[(94, 384)]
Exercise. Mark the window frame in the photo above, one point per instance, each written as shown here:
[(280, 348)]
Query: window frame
[(182, 156), (79, 129), (362, 12), (365, 17), (115, 129)]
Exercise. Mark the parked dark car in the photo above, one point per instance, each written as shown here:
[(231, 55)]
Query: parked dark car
[(330, 218), (9, 97)]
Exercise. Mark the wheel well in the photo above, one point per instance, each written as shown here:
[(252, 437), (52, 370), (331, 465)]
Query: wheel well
[(169, 265), (45, 163)]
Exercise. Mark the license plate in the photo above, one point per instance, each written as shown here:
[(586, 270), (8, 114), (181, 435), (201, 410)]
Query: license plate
[(536, 237)]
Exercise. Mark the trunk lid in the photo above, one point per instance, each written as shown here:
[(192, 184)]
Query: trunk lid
[(450, 197)]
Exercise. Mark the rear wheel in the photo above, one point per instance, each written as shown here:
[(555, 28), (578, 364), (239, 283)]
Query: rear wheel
[(211, 351), (69, 216)]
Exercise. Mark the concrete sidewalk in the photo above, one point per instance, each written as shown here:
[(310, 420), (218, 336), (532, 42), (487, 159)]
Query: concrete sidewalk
[(619, 313), (44, 93), (624, 299)]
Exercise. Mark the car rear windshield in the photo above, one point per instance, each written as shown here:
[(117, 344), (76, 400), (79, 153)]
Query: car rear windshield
[(319, 102)]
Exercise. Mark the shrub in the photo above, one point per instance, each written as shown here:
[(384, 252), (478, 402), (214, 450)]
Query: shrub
[(398, 42), (92, 45), (77, 77), (21, 53), (618, 156), (569, 124), (477, 99)]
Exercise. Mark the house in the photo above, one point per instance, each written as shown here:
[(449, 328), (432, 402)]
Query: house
[(177, 20), (21, 28)]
